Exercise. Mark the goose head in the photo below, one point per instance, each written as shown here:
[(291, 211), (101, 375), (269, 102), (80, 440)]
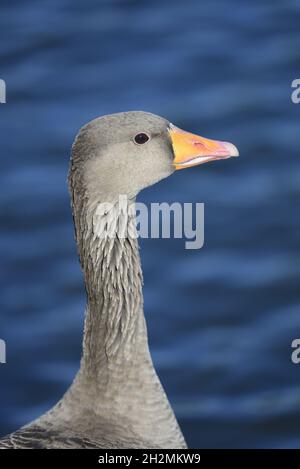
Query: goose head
[(126, 152)]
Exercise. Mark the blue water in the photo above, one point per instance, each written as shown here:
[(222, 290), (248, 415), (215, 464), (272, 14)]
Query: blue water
[(221, 319)]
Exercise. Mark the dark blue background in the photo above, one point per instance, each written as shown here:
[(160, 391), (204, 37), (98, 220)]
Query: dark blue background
[(221, 319)]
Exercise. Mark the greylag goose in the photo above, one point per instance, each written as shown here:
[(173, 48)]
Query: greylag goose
[(116, 399)]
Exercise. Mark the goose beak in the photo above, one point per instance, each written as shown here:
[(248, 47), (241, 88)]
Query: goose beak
[(191, 150)]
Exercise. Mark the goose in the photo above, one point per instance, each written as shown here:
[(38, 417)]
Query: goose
[(116, 399)]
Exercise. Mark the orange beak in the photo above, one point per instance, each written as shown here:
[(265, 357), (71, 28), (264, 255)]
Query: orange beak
[(191, 150)]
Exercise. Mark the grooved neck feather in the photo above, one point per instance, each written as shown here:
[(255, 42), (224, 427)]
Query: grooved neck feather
[(116, 371)]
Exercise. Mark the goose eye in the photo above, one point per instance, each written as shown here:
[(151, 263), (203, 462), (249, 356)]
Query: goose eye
[(141, 138)]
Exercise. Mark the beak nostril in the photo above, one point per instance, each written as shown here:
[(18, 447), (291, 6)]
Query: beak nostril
[(198, 144)]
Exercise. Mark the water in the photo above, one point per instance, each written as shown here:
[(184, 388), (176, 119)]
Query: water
[(221, 320)]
